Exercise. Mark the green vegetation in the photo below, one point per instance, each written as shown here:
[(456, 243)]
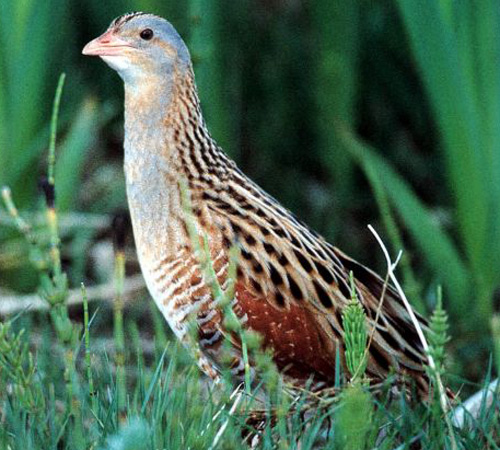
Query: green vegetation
[(373, 112)]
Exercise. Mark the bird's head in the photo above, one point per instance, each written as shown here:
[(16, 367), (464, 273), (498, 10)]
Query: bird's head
[(140, 47)]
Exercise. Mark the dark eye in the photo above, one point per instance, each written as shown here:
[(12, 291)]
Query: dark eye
[(146, 34)]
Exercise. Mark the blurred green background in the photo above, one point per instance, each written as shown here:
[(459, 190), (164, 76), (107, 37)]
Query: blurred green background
[(382, 112)]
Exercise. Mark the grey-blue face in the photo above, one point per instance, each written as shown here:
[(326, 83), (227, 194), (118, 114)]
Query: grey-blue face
[(140, 46)]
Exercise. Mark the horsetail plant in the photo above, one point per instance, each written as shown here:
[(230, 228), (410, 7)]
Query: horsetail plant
[(249, 340), (355, 336), (88, 359), (17, 367), (119, 222), (438, 336), (53, 280), (353, 419), (54, 288), (221, 296)]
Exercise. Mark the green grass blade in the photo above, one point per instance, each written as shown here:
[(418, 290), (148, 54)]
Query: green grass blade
[(486, 15), (411, 285), (447, 79), (205, 45), (72, 153), (27, 46), (53, 129), (440, 253), (153, 382), (336, 26)]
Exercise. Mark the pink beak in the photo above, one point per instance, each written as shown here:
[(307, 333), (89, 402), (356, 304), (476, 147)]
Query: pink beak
[(106, 45)]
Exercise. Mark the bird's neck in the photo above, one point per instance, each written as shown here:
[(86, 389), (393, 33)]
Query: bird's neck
[(164, 124), (165, 142)]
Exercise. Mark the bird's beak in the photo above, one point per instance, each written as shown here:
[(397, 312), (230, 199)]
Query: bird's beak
[(108, 44)]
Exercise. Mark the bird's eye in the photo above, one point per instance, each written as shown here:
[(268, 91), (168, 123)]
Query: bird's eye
[(146, 34)]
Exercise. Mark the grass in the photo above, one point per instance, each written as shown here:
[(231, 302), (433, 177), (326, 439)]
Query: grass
[(409, 92), (267, 117), (456, 48), (48, 401), (59, 388)]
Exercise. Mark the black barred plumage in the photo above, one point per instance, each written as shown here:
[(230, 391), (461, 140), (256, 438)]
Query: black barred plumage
[(124, 18), (292, 285)]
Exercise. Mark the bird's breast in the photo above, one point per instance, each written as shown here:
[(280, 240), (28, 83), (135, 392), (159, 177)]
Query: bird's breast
[(154, 203)]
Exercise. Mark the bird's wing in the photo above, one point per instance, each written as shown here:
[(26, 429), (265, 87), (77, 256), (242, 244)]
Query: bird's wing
[(289, 271)]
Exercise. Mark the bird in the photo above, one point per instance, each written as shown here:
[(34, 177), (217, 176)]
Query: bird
[(291, 286)]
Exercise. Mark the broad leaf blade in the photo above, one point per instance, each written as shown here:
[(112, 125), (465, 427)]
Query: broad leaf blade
[(438, 249)]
